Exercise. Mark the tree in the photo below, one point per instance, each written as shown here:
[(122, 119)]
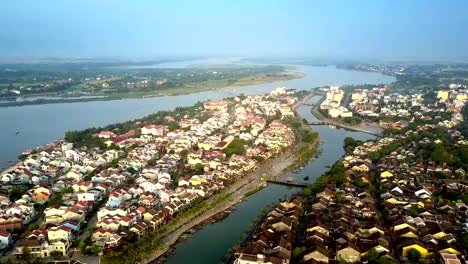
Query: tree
[(462, 242), (359, 182), (184, 153), (199, 169), (55, 254), (339, 199), (413, 255), (373, 256), (307, 191), (297, 252), (68, 190), (32, 227), (16, 193), (374, 156), (56, 199), (95, 250), (235, 147)]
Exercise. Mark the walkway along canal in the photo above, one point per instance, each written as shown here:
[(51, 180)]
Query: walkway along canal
[(212, 242)]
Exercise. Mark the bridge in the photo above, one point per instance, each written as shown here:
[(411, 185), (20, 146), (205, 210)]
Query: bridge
[(317, 123), (288, 183)]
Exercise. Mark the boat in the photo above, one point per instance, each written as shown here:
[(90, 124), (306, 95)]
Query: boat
[(17, 132)]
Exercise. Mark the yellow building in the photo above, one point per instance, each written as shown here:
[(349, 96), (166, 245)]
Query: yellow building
[(417, 246), (386, 174), (361, 168), (442, 95), (205, 146), (462, 97), (357, 96)]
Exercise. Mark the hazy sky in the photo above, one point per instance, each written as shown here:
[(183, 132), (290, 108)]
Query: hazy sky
[(391, 30)]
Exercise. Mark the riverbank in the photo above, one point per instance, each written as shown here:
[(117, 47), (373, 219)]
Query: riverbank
[(236, 192), (188, 89), (369, 128)]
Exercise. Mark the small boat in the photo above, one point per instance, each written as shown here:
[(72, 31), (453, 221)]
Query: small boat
[(17, 132)]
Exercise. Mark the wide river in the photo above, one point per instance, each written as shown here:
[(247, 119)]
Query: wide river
[(39, 124)]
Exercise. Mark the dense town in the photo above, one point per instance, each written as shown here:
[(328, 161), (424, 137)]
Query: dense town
[(99, 190), (398, 198), (401, 198)]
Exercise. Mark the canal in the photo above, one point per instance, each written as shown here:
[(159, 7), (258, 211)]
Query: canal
[(211, 243)]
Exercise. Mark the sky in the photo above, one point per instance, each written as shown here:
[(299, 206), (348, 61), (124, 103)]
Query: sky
[(347, 29)]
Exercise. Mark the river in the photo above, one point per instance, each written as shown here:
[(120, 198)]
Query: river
[(211, 243), (40, 124)]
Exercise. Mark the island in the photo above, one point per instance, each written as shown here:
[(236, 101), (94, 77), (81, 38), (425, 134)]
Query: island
[(24, 84), (125, 192)]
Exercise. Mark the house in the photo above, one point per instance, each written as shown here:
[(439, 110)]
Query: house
[(59, 233), (361, 168), (41, 194), (216, 105), (386, 174), (350, 254), (86, 197), (318, 256), (101, 234), (74, 175), (5, 238), (32, 245), (447, 258), (82, 186), (155, 130), (41, 197), (408, 245), (54, 215)]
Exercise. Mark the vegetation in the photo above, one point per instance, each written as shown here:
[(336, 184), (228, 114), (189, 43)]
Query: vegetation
[(307, 192), (16, 193), (359, 182), (464, 125), (336, 175), (237, 146), (413, 255), (353, 121), (144, 247), (87, 138), (462, 241), (350, 144), (373, 257)]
